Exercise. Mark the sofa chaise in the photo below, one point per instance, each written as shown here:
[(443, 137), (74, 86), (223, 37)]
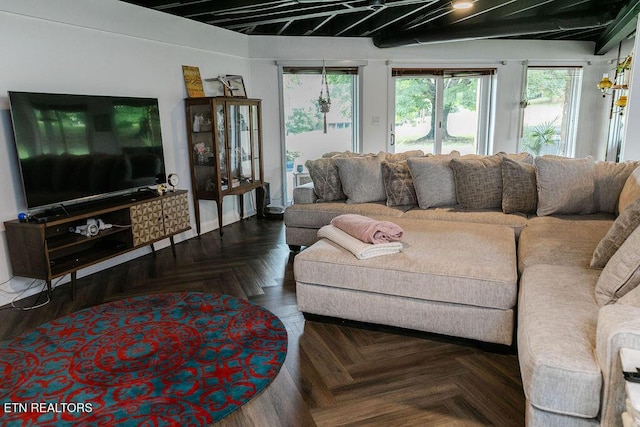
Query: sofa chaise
[(569, 271)]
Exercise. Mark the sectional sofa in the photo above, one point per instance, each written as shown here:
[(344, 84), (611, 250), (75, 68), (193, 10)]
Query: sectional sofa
[(553, 240)]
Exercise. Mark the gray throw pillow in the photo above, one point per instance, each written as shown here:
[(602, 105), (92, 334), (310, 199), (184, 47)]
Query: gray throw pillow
[(361, 179), (433, 180), (519, 191), (610, 178), (326, 180), (622, 272), (398, 184), (478, 181), (617, 234), (565, 186), (631, 190)]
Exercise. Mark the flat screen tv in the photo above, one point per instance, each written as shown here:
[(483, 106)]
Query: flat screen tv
[(73, 148)]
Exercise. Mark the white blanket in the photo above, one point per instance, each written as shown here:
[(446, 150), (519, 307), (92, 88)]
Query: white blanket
[(357, 247)]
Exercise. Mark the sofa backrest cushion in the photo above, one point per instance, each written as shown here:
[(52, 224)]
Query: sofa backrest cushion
[(565, 186), (326, 179), (397, 157), (361, 179), (622, 272), (433, 180), (630, 191), (398, 184), (631, 298), (610, 178), (623, 226), (478, 181), (519, 191)]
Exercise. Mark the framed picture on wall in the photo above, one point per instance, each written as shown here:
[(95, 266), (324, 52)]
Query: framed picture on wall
[(234, 87)]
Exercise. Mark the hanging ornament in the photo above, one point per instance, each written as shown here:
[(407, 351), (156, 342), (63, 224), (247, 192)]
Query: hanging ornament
[(324, 100)]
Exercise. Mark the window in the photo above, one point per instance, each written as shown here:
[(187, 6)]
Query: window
[(309, 133), (440, 110), (550, 117)]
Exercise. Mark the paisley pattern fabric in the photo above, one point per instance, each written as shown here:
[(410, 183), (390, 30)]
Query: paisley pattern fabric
[(398, 184), (170, 359)]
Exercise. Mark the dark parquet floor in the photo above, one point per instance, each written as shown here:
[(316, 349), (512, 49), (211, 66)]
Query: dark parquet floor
[(334, 374)]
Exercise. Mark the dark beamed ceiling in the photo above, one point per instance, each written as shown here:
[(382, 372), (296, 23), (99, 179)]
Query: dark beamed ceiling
[(393, 23)]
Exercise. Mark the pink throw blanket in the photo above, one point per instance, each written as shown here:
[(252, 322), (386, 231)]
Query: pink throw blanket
[(368, 229)]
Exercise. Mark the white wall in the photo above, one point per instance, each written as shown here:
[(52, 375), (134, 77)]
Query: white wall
[(106, 47), (505, 55)]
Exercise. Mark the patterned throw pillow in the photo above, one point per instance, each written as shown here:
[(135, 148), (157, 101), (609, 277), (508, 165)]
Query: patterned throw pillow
[(326, 179), (396, 157), (617, 234), (433, 180), (519, 192), (622, 272), (361, 179), (565, 186), (398, 184), (478, 181)]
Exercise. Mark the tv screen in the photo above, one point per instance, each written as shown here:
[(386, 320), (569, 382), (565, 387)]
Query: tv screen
[(77, 147)]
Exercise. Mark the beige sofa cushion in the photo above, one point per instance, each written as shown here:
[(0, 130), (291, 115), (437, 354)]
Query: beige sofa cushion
[(565, 186), (617, 234), (361, 179), (398, 184), (630, 192), (448, 262), (485, 216), (326, 180), (557, 316), (562, 239), (318, 214), (478, 181), (622, 272), (610, 178), (519, 191), (433, 181)]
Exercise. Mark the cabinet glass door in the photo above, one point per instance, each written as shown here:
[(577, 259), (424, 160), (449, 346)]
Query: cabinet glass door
[(202, 148), (255, 143), (240, 144), (222, 144)]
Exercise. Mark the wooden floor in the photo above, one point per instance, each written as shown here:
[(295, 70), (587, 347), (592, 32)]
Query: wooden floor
[(334, 375)]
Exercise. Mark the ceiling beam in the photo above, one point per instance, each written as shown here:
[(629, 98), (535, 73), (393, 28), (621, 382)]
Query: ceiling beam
[(624, 25), (506, 28), (322, 10)]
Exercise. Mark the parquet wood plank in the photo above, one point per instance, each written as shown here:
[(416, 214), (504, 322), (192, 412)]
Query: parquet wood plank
[(335, 374)]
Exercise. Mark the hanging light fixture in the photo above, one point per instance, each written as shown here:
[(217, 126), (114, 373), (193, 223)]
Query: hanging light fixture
[(605, 84), (324, 100), (621, 103)]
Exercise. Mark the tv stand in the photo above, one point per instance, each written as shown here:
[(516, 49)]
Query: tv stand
[(46, 248)]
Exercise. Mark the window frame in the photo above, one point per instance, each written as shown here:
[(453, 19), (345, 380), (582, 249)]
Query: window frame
[(486, 101)]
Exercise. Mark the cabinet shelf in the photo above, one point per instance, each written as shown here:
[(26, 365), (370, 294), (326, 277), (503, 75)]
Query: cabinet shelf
[(72, 239)]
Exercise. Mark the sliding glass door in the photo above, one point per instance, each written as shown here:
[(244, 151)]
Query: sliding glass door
[(438, 111), (309, 131)]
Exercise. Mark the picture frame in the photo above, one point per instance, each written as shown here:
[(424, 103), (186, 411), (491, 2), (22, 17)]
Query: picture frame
[(193, 81), (216, 86), (235, 86)]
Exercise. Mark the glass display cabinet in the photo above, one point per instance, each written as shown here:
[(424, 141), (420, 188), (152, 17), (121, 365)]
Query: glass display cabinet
[(225, 146)]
